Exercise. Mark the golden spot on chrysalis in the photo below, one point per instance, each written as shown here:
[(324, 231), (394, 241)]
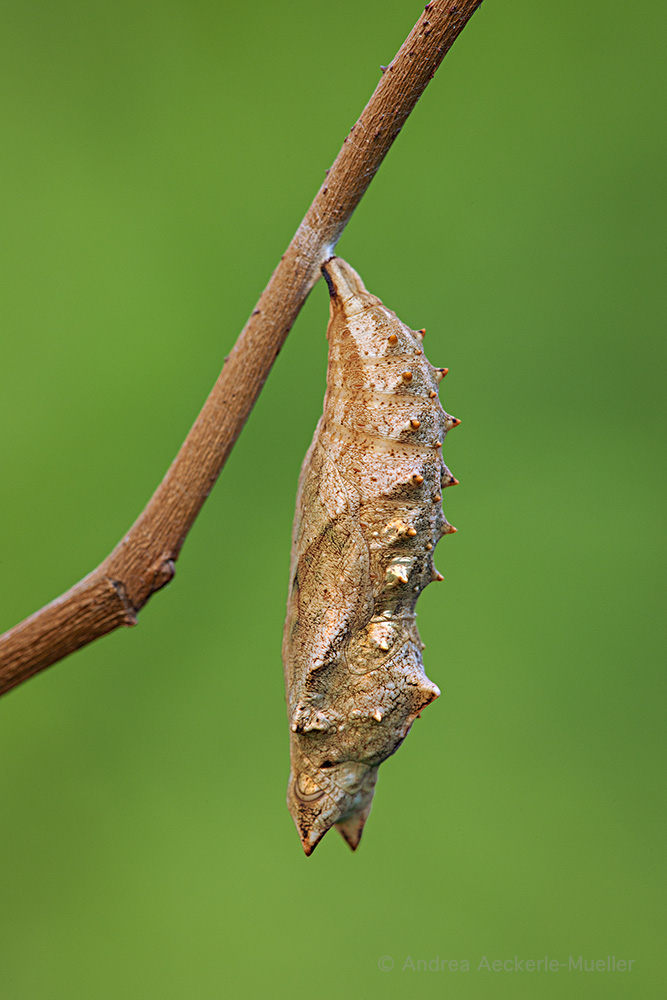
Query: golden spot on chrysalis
[(411, 532), (437, 577), (378, 715), (396, 573), (422, 331), (407, 376), (394, 530), (381, 636), (433, 394), (418, 479), (415, 423), (429, 546), (437, 498), (392, 338), (441, 372), (449, 529), (437, 444)]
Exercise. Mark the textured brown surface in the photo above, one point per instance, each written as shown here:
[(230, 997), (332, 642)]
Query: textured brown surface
[(368, 518)]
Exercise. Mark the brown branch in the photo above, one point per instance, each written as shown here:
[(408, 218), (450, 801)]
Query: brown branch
[(143, 561)]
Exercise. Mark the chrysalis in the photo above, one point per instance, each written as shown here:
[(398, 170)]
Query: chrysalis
[(368, 518)]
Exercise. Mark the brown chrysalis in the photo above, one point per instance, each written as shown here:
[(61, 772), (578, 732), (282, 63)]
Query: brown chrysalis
[(368, 518)]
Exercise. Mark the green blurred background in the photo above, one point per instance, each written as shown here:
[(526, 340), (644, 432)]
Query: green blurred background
[(156, 160)]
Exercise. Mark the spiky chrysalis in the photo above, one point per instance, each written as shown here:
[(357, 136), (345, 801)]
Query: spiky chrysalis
[(368, 518)]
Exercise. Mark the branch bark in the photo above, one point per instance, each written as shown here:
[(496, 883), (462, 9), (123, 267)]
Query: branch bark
[(143, 561)]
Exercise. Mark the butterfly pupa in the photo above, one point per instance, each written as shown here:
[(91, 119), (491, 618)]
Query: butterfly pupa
[(368, 518)]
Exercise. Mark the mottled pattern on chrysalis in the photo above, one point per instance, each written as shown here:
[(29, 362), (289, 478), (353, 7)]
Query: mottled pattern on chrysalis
[(368, 518)]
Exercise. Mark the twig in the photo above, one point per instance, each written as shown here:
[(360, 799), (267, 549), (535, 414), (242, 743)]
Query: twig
[(143, 561)]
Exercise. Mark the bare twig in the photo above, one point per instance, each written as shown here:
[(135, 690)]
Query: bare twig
[(143, 561)]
